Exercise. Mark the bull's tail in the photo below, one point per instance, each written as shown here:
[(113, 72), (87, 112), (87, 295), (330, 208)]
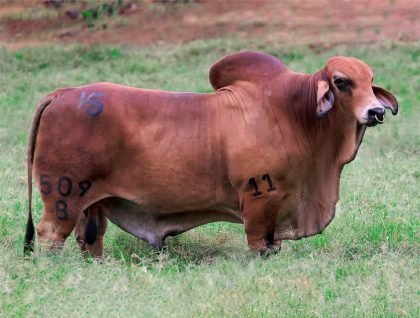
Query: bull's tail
[(30, 229)]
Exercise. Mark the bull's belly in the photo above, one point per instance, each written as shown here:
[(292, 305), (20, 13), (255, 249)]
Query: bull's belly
[(152, 226)]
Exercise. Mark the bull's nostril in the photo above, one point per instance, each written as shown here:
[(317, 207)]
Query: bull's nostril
[(376, 111), (376, 116), (379, 118)]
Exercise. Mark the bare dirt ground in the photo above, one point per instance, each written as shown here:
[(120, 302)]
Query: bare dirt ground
[(26, 23)]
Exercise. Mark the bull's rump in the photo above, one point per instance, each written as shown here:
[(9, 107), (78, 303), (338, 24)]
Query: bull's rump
[(154, 148)]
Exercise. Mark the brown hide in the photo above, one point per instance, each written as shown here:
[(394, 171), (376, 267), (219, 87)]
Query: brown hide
[(159, 163)]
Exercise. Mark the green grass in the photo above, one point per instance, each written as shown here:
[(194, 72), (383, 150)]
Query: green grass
[(365, 264)]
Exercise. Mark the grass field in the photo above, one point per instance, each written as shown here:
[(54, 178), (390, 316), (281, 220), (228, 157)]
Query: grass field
[(365, 264)]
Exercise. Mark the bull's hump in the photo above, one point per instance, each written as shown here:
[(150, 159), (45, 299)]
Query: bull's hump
[(250, 66)]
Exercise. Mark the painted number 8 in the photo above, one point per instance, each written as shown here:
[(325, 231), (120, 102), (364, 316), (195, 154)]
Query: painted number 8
[(61, 210)]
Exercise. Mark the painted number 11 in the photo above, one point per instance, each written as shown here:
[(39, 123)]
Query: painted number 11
[(265, 177)]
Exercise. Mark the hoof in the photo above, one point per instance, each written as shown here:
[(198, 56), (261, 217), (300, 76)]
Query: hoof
[(270, 250)]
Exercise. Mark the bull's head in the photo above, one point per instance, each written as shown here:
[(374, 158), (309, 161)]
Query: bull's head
[(348, 86)]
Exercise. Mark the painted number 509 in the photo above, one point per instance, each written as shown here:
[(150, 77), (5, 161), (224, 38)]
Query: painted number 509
[(64, 185)]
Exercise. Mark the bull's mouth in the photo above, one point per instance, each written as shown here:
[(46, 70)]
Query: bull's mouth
[(375, 116)]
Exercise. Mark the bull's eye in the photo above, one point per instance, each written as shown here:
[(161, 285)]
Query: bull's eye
[(341, 83)]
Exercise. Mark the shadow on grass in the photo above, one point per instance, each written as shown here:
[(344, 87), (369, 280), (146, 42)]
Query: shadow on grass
[(180, 252)]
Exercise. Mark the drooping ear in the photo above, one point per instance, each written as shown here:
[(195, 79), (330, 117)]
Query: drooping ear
[(324, 99), (386, 99)]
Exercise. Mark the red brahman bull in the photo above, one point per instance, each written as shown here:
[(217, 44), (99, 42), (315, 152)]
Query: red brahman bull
[(266, 150)]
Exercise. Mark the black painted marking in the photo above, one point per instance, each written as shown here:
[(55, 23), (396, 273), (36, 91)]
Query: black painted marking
[(92, 103), (64, 186), (61, 210), (270, 183), (45, 183), (84, 186), (255, 185)]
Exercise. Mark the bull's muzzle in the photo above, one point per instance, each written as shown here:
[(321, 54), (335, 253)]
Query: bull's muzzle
[(375, 116)]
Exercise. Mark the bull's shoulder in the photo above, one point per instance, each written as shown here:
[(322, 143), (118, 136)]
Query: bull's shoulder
[(245, 66)]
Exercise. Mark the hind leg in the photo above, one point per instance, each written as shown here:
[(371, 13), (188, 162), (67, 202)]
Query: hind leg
[(58, 221), (90, 230)]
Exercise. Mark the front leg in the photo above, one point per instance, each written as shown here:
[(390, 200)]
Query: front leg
[(259, 226), (260, 206)]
